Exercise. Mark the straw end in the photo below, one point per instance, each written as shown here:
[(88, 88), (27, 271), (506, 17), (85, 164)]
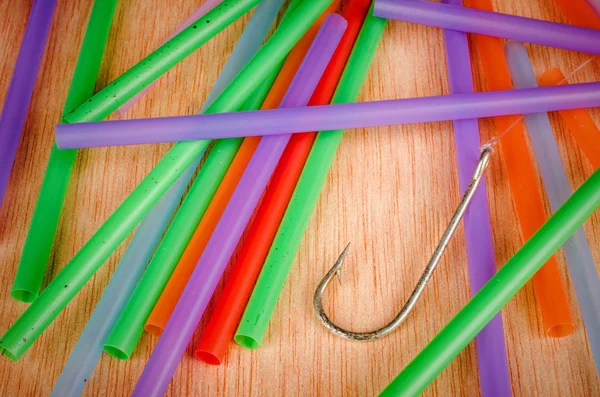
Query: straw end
[(8, 354)]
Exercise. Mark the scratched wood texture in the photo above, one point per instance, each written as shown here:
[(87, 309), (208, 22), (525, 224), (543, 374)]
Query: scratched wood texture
[(391, 191)]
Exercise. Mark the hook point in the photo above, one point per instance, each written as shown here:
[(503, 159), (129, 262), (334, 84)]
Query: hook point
[(339, 262)]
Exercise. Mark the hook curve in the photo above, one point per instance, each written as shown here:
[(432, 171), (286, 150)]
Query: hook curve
[(417, 292)]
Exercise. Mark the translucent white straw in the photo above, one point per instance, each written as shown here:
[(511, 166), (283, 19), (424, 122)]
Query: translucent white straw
[(580, 262)]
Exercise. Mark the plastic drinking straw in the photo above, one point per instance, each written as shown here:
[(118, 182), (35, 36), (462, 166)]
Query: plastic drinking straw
[(87, 351), (200, 12), (160, 61), (461, 330), (101, 245), (171, 293), (22, 83), (579, 13), (287, 240), (579, 121), (231, 304), (127, 331), (38, 244), (491, 24), (494, 376), (580, 262), (547, 283), (328, 117), (171, 346)]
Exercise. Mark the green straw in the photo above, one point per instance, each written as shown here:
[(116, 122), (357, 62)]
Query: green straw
[(102, 244), (285, 245), (160, 61), (129, 328), (463, 328), (38, 244)]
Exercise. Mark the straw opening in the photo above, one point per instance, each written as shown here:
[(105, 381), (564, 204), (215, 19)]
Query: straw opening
[(23, 295), (560, 330), (247, 341), (5, 352), (154, 329), (116, 353), (208, 357)]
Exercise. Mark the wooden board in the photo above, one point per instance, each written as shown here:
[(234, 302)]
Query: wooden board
[(391, 192)]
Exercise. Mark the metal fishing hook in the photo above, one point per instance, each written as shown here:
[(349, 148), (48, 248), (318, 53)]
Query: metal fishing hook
[(480, 168)]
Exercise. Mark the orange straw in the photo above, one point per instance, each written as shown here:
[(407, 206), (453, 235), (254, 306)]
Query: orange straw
[(578, 121), (579, 13), (547, 283), (232, 302), (168, 300)]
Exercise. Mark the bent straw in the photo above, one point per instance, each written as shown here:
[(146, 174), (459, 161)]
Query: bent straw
[(231, 304), (22, 83), (494, 376), (76, 273), (287, 240), (40, 237), (580, 262), (127, 331), (547, 283), (484, 306), (578, 121), (579, 13), (200, 12), (328, 117), (171, 346), (87, 351), (491, 24), (165, 305)]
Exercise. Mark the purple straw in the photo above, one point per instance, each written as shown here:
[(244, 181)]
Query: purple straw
[(491, 24), (328, 117), (22, 83), (199, 13), (491, 348), (188, 312)]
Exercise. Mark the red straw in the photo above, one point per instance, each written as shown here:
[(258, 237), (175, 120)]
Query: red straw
[(232, 302)]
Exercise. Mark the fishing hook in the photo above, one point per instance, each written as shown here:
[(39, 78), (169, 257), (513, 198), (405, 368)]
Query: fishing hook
[(480, 168)]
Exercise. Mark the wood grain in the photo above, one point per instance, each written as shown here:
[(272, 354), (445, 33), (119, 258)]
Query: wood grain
[(390, 191)]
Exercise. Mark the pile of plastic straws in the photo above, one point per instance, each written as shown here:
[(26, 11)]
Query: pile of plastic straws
[(268, 134)]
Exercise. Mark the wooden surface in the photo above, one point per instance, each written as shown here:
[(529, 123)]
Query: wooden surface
[(390, 191)]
